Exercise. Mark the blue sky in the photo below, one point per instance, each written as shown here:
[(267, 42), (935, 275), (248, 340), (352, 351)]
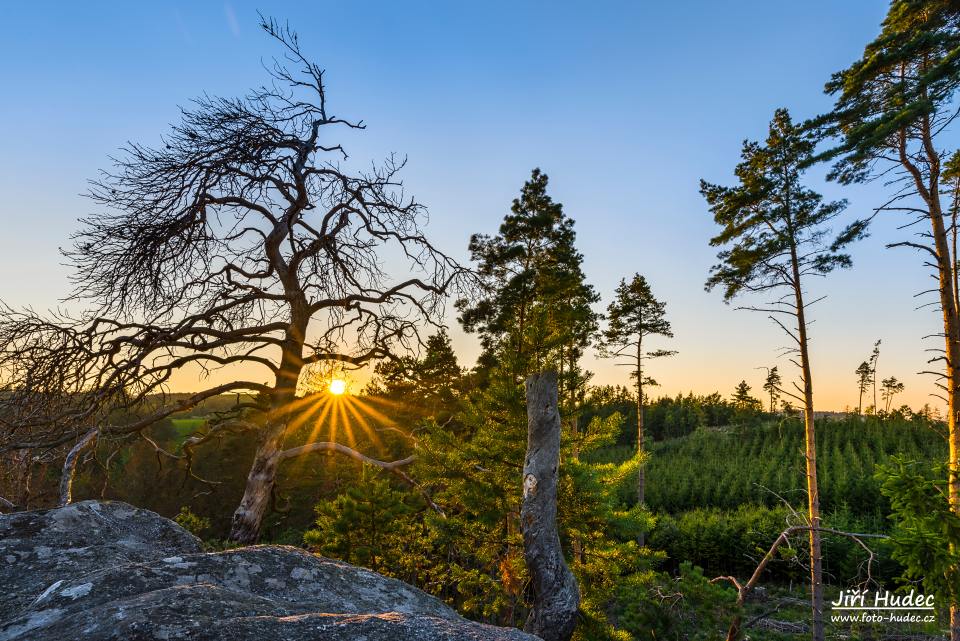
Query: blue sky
[(625, 105)]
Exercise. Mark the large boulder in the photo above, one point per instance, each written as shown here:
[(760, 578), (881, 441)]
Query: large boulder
[(105, 570)]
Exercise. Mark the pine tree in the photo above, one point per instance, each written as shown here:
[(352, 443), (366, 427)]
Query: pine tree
[(429, 386), (864, 378), (775, 235), (635, 316), (532, 313), (893, 108), (874, 357), (742, 398), (890, 387), (534, 300), (771, 385)]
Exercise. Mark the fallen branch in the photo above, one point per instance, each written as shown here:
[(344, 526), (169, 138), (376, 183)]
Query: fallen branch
[(743, 590)]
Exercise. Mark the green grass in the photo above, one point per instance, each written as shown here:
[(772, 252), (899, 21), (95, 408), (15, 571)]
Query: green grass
[(185, 427)]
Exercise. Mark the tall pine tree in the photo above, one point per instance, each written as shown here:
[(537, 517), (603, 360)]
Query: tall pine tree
[(634, 317), (774, 236), (534, 301), (893, 109)]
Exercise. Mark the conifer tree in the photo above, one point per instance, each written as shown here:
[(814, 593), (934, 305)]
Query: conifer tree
[(889, 388), (429, 386), (532, 313), (534, 299), (864, 378), (874, 357), (893, 108), (771, 385), (635, 316), (774, 234), (742, 399)]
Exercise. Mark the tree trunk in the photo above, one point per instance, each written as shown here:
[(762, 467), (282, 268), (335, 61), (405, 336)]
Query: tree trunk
[(951, 330), (556, 596), (248, 516), (947, 277), (813, 509), (810, 454), (70, 466), (641, 471)]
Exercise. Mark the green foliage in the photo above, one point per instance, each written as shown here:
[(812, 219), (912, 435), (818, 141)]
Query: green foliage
[(192, 523), (366, 525), (890, 387), (673, 417), (534, 302), (729, 542), (474, 474), (729, 467), (909, 73), (772, 227), (926, 534), (864, 379), (771, 385), (689, 607), (664, 418), (742, 398), (428, 387), (633, 318)]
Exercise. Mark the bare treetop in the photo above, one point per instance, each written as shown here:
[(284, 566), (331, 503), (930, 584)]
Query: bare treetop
[(239, 239)]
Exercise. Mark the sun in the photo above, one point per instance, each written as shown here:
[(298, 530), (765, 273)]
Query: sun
[(337, 387)]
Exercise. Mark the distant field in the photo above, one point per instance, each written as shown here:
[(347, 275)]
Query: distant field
[(185, 427)]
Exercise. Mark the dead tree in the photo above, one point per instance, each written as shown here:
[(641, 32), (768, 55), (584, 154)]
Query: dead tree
[(556, 596), (70, 466), (240, 242), (744, 589)]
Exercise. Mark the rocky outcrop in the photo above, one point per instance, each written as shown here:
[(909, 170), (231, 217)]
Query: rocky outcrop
[(105, 570)]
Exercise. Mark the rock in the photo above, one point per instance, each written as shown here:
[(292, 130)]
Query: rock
[(105, 570)]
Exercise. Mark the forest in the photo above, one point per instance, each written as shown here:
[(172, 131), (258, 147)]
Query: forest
[(333, 412)]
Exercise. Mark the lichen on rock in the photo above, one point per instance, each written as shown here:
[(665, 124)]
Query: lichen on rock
[(106, 570)]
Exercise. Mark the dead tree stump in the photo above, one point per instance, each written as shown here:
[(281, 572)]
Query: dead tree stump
[(556, 596)]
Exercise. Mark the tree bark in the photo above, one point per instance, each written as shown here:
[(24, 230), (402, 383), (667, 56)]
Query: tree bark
[(947, 279), (248, 517), (556, 596), (951, 330), (70, 466), (810, 454), (641, 471)]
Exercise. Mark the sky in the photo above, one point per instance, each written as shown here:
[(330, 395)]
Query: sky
[(626, 106)]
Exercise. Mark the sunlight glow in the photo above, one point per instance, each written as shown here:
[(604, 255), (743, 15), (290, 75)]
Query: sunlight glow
[(337, 387)]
